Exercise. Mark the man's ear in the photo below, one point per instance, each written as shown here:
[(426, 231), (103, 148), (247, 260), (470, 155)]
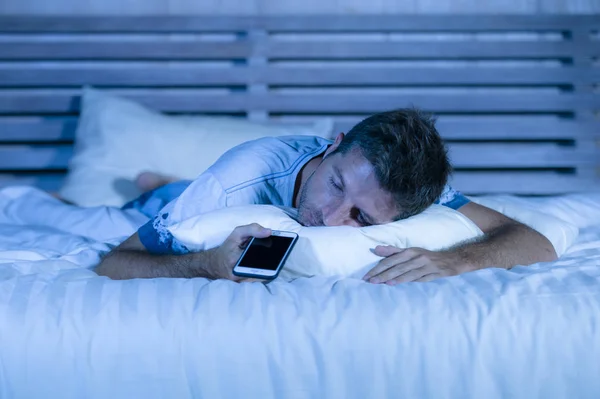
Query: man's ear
[(334, 146)]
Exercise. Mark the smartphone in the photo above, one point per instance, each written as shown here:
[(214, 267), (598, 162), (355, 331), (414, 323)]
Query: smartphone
[(264, 257)]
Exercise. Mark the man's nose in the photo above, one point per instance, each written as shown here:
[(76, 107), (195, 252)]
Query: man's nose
[(339, 216)]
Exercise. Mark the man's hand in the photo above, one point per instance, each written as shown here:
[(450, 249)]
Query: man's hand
[(414, 264), (506, 243), (223, 258), (131, 260)]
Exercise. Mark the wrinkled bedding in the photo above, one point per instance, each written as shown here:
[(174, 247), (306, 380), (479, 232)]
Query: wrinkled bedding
[(65, 332)]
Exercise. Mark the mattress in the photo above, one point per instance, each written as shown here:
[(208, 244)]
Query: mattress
[(66, 332)]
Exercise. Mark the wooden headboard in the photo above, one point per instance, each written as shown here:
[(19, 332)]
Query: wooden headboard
[(517, 97)]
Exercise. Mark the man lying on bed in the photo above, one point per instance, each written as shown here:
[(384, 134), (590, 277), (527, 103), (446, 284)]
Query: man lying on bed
[(389, 166)]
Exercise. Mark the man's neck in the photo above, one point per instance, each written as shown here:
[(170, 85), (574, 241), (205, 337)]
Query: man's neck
[(303, 176)]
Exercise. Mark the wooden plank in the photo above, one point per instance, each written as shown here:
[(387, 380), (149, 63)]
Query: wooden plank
[(294, 23), (49, 182), (22, 157), (426, 50), (568, 7), (126, 24), (546, 183), (502, 128), (32, 102), (257, 60), (356, 76), (520, 155), (463, 155), (123, 50), (139, 51), (428, 23), (37, 129), (476, 7), (165, 76)]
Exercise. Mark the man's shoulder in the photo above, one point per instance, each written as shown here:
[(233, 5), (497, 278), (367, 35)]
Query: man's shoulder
[(452, 198), (267, 155), (281, 144)]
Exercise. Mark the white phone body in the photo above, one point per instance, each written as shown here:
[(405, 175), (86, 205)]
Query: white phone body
[(264, 257)]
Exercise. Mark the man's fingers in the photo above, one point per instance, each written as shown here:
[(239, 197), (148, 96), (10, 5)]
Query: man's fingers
[(412, 275), (242, 233), (374, 271), (398, 270), (400, 260), (386, 250), (402, 256), (386, 275), (380, 267)]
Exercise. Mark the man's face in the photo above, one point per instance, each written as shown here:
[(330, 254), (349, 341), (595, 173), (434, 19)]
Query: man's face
[(343, 190)]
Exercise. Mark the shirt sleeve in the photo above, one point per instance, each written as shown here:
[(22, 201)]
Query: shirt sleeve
[(205, 194), (452, 199)]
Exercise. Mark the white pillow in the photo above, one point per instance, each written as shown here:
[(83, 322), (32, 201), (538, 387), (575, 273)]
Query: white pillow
[(559, 232), (329, 251), (117, 139)]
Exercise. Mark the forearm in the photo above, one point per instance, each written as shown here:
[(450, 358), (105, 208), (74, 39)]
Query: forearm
[(506, 246), (123, 264)]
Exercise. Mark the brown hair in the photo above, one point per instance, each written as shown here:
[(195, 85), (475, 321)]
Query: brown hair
[(407, 153)]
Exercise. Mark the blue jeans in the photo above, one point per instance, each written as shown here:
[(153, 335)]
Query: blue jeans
[(153, 201)]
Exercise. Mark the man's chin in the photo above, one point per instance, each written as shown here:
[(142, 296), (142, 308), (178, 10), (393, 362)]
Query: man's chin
[(309, 222), (305, 221)]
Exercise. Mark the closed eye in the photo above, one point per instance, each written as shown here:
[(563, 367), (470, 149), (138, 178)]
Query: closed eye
[(357, 215), (363, 223), (335, 186), (361, 220)]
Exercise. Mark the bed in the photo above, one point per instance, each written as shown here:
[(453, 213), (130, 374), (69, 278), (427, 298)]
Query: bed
[(65, 332), (520, 117)]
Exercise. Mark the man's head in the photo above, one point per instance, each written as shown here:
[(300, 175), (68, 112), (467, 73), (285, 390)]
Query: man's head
[(388, 167)]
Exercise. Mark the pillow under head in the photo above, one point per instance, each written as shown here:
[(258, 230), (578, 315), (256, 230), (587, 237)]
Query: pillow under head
[(327, 251)]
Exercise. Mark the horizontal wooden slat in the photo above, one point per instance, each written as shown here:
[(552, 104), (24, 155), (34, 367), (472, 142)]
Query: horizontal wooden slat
[(24, 157), (507, 128), (463, 155), (467, 182), (330, 23), (329, 76), (124, 50), (546, 183), (45, 181), (521, 155), (426, 76), (429, 50), (129, 77), (37, 129), (500, 128), (188, 101)]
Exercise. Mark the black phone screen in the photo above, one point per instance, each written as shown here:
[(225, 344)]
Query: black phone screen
[(266, 253)]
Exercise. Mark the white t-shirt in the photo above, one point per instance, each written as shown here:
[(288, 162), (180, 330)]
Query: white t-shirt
[(261, 171)]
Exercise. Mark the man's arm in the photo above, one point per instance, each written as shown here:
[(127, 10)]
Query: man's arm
[(505, 243), (131, 260)]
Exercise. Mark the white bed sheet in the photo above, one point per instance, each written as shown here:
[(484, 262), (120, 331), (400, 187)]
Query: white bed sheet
[(65, 332)]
